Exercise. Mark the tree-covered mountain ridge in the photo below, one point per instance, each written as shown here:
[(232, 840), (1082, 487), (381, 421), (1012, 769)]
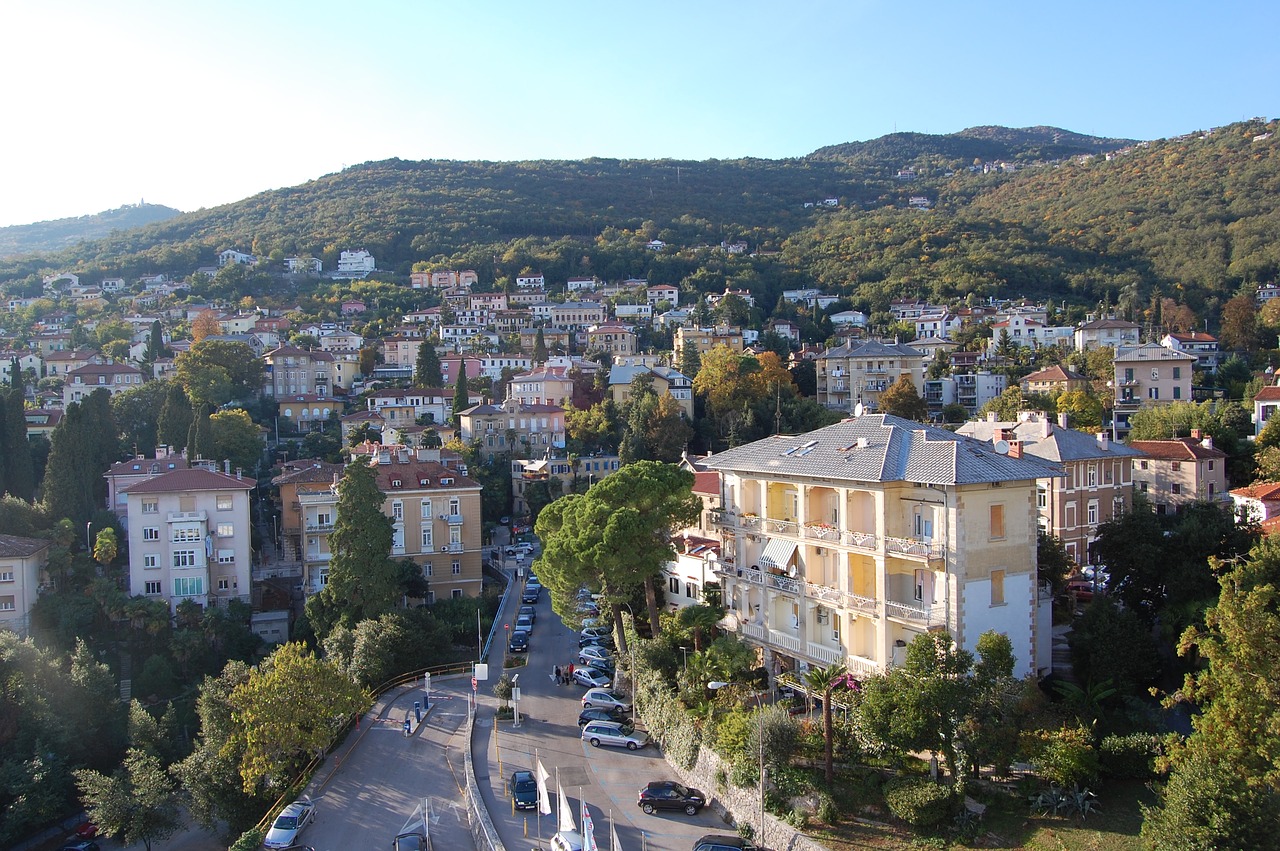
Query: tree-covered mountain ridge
[(55, 235)]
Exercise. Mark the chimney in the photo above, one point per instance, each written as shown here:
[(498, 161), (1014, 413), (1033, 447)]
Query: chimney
[(997, 434), (226, 467), (991, 416), (1195, 434), (1207, 443), (1104, 440), (1063, 420), (239, 473), (1015, 449)]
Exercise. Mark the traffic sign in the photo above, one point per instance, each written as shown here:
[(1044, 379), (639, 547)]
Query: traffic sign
[(475, 684)]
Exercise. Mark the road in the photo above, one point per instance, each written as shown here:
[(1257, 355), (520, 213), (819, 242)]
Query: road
[(608, 778)]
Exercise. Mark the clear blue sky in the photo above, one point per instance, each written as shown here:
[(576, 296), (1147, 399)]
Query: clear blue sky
[(194, 105)]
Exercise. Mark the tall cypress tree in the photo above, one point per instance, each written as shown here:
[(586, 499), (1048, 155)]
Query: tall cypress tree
[(461, 400), (427, 372), (155, 342), (64, 486), (16, 380), (19, 474), (175, 418), (540, 348)]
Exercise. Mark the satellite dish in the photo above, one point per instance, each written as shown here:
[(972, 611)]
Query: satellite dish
[(791, 571), (1002, 446), (858, 410)]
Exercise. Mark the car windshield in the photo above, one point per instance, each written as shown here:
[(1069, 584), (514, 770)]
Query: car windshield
[(286, 823), (526, 786)]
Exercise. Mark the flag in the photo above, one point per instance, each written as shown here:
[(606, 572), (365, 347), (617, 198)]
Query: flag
[(613, 837), (544, 796), (588, 830), (566, 811)]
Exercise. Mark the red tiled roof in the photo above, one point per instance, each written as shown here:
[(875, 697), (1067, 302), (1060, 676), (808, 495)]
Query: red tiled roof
[(1182, 449), (1270, 393), (1055, 373), (193, 479), (707, 482), (1263, 491)]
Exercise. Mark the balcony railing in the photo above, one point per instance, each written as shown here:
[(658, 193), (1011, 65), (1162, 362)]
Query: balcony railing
[(787, 642), (753, 630), (781, 527), (824, 654), (861, 667), (917, 613), (452, 519), (823, 592), (913, 548), (785, 584), (868, 605), (453, 548), (821, 532), (187, 516), (319, 527), (860, 540)]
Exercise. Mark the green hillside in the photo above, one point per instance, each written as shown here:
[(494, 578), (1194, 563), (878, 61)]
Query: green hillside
[(56, 235)]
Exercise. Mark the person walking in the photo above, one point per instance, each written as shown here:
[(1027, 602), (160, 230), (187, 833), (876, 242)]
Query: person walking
[(570, 677), (556, 675)]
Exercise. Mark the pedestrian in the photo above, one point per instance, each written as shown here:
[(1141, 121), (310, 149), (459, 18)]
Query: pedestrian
[(556, 676), (570, 672)]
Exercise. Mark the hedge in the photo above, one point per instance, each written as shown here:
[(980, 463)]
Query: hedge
[(917, 800)]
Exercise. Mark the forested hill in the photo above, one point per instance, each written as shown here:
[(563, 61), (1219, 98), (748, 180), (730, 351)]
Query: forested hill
[(980, 144), (58, 234)]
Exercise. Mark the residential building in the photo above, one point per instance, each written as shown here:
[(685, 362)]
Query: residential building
[(311, 265), (705, 339), (189, 535), (940, 324), (532, 429), (1148, 374), (531, 281), (298, 475), (1053, 380), (1257, 503), (573, 285), (860, 370), (1203, 346), (22, 565), (113, 377), (1178, 472), (1266, 403), (399, 406), (1021, 329), (306, 412), (1098, 481), (232, 257), (844, 544), (355, 264), (658, 293), (664, 380), (399, 350), (42, 421), (293, 371), (542, 386), (339, 339), (972, 390), (64, 361), (552, 338), (124, 474), (617, 339), (584, 473), (1105, 333)]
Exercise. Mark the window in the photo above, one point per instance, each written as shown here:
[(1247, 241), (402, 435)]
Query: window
[(455, 536), (1175, 488), (1210, 490), (457, 568), (226, 530), (673, 585), (1142, 465), (188, 586), (457, 592), (1177, 372), (224, 584), (1091, 477), (426, 539), (1210, 465), (1153, 393), (1042, 497), (691, 590), (453, 505), (151, 587), (1175, 466), (1128, 375), (6, 575), (431, 597), (1143, 485), (151, 533), (223, 502), (426, 509), (226, 556), (150, 561), (7, 604), (997, 521), (186, 534), (426, 568), (1092, 512), (397, 510), (184, 558), (1177, 392), (997, 587), (150, 506)]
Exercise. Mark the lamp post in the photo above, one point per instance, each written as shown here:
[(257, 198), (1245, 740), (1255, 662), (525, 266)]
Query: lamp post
[(88, 546), (715, 686), (631, 651), (685, 651)]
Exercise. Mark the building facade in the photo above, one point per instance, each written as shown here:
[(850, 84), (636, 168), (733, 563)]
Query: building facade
[(1177, 473)]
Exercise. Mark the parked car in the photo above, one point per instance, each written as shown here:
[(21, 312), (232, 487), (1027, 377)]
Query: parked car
[(414, 841), (81, 845), (530, 595), (530, 611), (593, 622), (591, 678), (1081, 588), (724, 842), (291, 822), (670, 795), (524, 622), (604, 666), (519, 642), (616, 733), (599, 633), (524, 790), (600, 713), (594, 651), (604, 697), (567, 840), (504, 520)]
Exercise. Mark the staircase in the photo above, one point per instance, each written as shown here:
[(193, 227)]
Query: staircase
[(126, 678)]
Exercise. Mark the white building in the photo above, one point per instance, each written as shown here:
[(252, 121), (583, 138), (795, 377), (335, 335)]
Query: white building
[(355, 264)]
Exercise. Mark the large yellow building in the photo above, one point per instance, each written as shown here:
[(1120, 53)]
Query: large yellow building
[(844, 544)]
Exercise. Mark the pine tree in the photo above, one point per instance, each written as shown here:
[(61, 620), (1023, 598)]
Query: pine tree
[(16, 380), (540, 348), (175, 418), (461, 400), (155, 342), (427, 372), (200, 436), (64, 491), (19, 474)]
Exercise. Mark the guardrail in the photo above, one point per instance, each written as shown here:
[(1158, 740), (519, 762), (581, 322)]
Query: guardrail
[(483, 833)]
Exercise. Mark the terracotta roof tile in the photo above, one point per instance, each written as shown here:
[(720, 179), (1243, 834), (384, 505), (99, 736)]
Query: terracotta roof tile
[(193, 479)]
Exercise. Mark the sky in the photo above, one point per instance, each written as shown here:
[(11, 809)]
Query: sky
[(194, 105)]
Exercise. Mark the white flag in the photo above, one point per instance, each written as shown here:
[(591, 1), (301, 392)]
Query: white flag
[(544, 794), (566, 811), (613, 837), (588, 830)]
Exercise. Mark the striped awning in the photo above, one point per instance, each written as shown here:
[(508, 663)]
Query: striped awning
[(778, 552)]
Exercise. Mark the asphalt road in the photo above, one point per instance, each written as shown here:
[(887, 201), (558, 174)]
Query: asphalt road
[(609, 779)]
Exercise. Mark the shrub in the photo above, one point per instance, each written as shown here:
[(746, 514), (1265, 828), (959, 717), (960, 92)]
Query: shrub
[(917, 801), (1067, 757), (1131, 756), (827, 811), (797, 817), (250, 840)]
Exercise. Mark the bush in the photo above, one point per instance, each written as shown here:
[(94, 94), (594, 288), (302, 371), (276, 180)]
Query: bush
[(1131, 756), (917, 801), (827, 812), (250, 840), (1067, 757)]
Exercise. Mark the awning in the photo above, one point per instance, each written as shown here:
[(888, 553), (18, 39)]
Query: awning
[(777, 553)]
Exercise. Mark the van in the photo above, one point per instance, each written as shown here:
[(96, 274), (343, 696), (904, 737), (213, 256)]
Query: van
[(567, 840)]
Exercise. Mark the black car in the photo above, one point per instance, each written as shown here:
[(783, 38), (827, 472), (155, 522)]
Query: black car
[(414, 841), (593, 641), (524, 790), (600, 713), (670, 795), (603, 666), (519, 642), (81, 845), (724, 842), (530, 611), (530, 595)]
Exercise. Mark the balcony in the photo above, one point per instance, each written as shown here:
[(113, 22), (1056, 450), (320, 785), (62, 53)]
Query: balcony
[(824, 654), (320, 527), (859, 603), (452, 519), (861, 667), (914, 548), (781, 527), (453, 548), (821, 532), (187, 517), (917, 613), (785, 641), (785, 584), (824, 593), (860, 540), (753, 630)]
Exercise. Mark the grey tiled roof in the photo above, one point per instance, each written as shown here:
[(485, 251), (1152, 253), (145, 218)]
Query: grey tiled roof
[(872, 349), (881, 448), (1062, 444)]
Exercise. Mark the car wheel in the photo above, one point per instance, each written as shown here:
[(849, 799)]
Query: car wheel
[(595, 743), (632, 746), (588, 705), (647, 808), (690, 810)]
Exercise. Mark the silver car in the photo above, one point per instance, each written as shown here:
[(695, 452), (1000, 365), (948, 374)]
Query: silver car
[(616, 733)]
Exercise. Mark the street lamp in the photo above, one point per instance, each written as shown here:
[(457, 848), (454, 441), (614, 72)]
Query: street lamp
[(685, 651), (715, 686), (88, 546), (631, 649)]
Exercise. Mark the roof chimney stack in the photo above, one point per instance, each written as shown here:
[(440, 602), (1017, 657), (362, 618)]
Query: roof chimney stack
[(1195, 434), (226, 467), (1015, 449)]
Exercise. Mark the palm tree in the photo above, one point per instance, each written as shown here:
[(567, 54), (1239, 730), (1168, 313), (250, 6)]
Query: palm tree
[(824, 680)]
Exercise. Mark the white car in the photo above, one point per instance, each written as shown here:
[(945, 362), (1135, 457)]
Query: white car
[(604, 697), (593, 651), (600, 632), (617, 733), (591, 678), (289, 824)]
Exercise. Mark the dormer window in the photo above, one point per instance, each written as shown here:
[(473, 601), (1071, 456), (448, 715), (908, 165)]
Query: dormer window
[(395, 483), (446, 481)]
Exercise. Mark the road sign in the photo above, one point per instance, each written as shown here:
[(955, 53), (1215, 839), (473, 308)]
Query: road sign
[(475, 684)]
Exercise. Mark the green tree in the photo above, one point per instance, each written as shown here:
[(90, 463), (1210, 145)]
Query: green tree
[(105, 546), (690, 361), (139, 803), (1084, 409), (362, 579), (539, 348), (1222, 786), (902, 400), (19, 473), (823, 681), (83, 447), (461, 399), (427, 370), (175, 417), (1239, 324), (1053, 565), (136, 412), (155, 343), (288, 711), (236, 438), (1094, 639)]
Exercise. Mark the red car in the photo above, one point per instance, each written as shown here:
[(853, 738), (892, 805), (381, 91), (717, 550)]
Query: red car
[(1081, 587)]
